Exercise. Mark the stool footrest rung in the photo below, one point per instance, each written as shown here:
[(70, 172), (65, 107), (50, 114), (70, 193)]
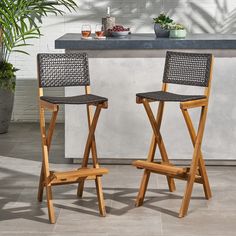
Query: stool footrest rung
[(167, 169), (162, 168), (76, 175)]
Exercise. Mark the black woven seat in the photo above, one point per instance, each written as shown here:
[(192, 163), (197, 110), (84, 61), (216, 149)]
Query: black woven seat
[(169, 97), (81, 99)]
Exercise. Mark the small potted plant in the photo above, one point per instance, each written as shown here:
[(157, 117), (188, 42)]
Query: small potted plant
[(20, 21), (177, 30), (161, 25)]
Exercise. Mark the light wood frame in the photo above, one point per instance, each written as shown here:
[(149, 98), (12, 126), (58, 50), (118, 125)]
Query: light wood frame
[(49, 178), (197, 171)]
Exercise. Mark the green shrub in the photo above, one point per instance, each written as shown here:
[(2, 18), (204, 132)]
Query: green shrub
[(7, 76)]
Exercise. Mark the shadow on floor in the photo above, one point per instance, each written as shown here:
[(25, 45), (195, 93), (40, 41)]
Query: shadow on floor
[(19, 198)]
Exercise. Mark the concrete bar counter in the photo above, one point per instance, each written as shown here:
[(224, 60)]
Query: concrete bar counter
[(120, 68)]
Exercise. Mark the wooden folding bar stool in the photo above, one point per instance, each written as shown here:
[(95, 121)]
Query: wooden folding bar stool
[(62, 70), (191, 69)]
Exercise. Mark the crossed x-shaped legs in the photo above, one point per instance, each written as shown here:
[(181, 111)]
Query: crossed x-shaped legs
[(46, 176), (196, 172), (156, 139), (91, 145)]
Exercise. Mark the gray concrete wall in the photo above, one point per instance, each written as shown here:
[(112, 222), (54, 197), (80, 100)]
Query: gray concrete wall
[(124, 130)]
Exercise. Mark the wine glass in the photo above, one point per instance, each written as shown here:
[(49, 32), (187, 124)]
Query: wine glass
[(86, 30), (99, 30)]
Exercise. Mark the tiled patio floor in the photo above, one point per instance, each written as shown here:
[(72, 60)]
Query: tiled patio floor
[(21, 214)]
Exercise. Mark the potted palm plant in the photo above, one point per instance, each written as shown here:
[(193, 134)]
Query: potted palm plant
[(20, 21)]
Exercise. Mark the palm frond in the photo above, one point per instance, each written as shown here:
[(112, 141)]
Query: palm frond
[(20, 20)]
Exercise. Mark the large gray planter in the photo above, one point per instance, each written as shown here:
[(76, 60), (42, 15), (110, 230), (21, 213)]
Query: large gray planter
[(6, 106), (161, 33)]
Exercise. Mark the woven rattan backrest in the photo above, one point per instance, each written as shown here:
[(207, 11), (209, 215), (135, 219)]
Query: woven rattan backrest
[(61, 70), (187, 68)]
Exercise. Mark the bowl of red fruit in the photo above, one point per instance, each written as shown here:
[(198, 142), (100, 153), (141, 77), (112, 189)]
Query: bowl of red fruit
[(119, 31)]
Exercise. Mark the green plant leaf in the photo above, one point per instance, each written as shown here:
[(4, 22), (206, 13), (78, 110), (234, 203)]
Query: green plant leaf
[(163, 20), (7, 76), (20, 20)]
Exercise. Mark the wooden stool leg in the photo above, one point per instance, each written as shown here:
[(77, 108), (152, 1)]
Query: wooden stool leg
[(156, 130), (194, 165), (98, 180), (84, 164), (171, 182), (80, 189), (50, 204), (203, 173), (142, 188), (188, 189), (151, 154), (90, 144), (48, 141), (202, 168), (48, 186), (92, 147), (41, 185), (101, 203)]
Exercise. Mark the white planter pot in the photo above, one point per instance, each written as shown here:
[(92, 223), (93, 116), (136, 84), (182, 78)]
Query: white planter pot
[(178, 33)]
